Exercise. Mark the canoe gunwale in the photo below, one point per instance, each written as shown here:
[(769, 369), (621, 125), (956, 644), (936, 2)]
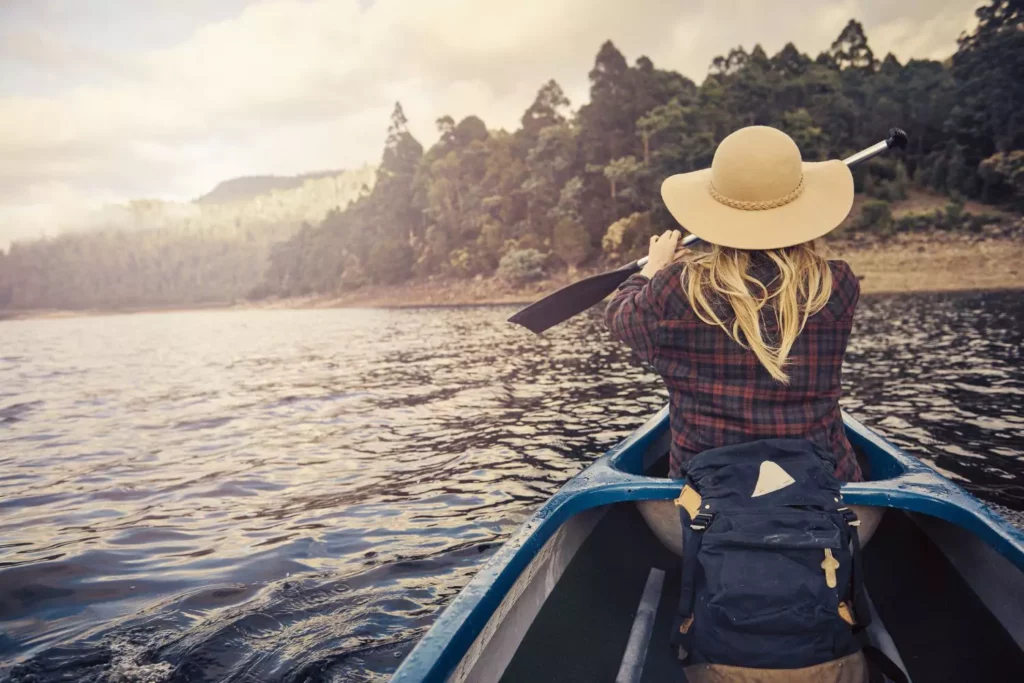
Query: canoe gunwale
[(905, 484)]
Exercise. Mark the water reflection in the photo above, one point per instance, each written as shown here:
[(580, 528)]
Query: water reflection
[(293, 495)]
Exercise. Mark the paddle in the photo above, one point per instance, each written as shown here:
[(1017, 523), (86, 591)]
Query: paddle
[(572, 299)]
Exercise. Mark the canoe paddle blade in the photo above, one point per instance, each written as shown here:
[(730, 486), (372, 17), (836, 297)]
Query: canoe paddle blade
[(571, 299)]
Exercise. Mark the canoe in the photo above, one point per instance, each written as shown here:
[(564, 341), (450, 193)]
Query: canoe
[(583, 591)]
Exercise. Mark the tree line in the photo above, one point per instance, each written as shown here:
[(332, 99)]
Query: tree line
[(569, 187)]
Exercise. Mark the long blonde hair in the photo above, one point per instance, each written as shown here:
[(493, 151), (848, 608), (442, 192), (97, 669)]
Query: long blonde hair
[(801, 288)]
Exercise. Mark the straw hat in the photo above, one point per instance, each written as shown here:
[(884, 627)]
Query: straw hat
[(759, 194)]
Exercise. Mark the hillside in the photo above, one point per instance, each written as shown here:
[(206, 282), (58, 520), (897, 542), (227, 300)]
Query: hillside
[(250, 187), (309, 202), (157, 253)]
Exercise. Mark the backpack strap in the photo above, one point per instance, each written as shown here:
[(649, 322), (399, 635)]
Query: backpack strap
[(860, 603), (694, 519)]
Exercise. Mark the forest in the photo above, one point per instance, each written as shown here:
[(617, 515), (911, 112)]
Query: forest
[(579, 187)]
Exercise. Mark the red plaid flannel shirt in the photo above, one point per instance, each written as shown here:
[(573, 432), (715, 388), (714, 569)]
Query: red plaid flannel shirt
[(719, 393)]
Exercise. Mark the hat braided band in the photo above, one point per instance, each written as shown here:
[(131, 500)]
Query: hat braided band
[(759, 205)]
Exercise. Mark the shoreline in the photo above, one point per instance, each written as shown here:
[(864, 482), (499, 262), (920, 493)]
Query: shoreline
[(904, 263)]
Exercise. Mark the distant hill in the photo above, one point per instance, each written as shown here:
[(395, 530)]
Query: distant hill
[(248, 187), (158, 253), (283, 199)]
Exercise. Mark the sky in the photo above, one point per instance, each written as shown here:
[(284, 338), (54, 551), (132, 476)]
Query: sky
[(108, 100)]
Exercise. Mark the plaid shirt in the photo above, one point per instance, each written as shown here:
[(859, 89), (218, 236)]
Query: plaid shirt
[(719, 393)]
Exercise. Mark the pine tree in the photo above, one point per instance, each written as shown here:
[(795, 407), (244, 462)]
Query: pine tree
[(850, 49), (548, 109)]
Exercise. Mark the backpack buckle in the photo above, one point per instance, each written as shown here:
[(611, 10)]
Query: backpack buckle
[(701, 521), (850, 516)]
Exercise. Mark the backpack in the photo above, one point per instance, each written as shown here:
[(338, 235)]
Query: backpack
[(771, 575)]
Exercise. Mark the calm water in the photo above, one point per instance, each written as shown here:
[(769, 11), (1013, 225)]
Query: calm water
[(294, 495)]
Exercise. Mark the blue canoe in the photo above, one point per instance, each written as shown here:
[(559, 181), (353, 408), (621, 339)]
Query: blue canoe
[(583, 591)]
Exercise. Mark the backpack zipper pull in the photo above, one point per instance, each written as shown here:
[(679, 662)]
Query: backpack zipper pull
[(830, 565)]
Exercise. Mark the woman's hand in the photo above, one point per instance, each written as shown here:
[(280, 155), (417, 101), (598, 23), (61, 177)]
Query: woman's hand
[(662, 252)]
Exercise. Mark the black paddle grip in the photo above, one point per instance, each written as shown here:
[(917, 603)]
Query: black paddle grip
[(897, 138)]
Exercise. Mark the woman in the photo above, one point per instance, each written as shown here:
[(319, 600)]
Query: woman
[(750, 336)]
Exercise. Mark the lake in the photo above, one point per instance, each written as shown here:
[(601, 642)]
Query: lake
[(256, 495)]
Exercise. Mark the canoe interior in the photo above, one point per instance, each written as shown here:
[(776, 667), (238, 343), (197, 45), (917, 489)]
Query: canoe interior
[(942, 630)]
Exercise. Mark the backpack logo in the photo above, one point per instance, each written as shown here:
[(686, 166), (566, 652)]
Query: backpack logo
[(771, 478)]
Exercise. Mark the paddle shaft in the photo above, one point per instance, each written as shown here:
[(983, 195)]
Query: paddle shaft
[(872, 151)]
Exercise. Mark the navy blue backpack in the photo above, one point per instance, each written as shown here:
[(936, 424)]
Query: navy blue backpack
[(771, 560)]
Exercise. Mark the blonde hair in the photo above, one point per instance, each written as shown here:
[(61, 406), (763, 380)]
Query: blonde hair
[(801, 288)]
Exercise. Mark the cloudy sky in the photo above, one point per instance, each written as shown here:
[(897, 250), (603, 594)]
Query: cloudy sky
[(106, 100)]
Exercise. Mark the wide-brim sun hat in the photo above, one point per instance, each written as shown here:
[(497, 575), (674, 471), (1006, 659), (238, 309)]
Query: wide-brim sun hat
[(760, 194)]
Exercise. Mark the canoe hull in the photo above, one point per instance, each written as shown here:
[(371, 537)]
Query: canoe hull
[(487, 658), (480, 633)]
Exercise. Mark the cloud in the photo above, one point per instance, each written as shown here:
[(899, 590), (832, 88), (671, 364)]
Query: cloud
[(927, 38), (286, 86), (46, 50)]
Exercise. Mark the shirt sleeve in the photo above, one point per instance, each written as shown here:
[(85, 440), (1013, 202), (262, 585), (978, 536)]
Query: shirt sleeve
[(847, 290), (633, 315)]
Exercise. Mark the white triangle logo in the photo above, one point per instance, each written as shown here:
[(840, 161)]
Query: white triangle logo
[(771, 478)]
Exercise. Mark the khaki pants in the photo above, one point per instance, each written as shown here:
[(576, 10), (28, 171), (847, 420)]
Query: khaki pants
[(850, 669), (662, 516)]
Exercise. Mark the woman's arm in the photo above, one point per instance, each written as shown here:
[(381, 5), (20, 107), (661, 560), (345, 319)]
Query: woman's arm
[(845, 290), (632, 316), (635, 309)]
